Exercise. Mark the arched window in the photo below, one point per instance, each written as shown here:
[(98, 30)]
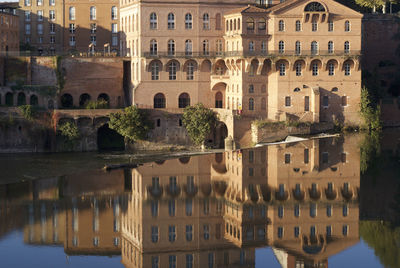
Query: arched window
[(281, 47), (188, 21), (238, 24), (263, 46), (251, 88), (159, 100), (153, 21), (33, 100), (92, 13), (218, 100), (153, 47), (298, 69), (347, 47), (227, 26), (172, 70), (347, 69), (9, 99), (282, 69), (188, 47), (21, 99), (206, 21), (330, 47), (298, 26), (84, 99), (250, 24), (347, 26), (234, 25), (171, 21), (67, 101), (330, 26), (314, 25), (251, 104), (263, 104), (183, 100), (206, 48), (314, 48), (230, 25), (114, 13), (314, 7), (218, 21), (331, 69), (155, 71), (171, 47), (251, 46), (281, 26), (262, 24), (315, 69), (219, 47), (190, 71), (298, 48), (72, 13), (104, 97)]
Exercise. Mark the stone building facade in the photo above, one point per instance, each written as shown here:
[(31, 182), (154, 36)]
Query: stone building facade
[(9, 28), (296, 60), (54, 26)]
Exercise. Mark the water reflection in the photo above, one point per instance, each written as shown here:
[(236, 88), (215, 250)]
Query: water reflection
[(206, 211)]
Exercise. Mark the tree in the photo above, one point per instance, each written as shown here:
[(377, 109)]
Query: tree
[(132, 123), (371, 4), (199, 121), (370, 112)]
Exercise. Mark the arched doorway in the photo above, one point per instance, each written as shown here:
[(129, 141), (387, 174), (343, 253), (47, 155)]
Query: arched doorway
[(84, 99), (109, 139), (21, 99), (220, 134), (219, 100), (104, 97), (184, 100), (67, 101), (34, 101), (9, 99)]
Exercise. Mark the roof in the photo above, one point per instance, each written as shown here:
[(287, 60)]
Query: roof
[(248, 9)]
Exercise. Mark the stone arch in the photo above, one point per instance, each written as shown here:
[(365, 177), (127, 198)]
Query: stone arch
[(9, 99), (21, 98), (67, 101), (317, 61), (183, 100), (160, 65), (84, 99), (279, 62), (349, 61), (178, 65), (84, 122), (332, 61), (100, 121), (33, 100), (109, 139), (159, 101), (205, 66), (266, 68), (219, 68), (64, 120), (219, 100), (186, 64), (220, 134), (252, 66), (302, 62), (105, 97)]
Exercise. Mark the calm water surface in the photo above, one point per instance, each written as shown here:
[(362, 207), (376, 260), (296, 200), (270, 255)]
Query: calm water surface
[(328, 202)]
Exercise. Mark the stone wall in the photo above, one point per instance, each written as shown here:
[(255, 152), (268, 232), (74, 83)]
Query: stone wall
[(43, 71), (390, 112)]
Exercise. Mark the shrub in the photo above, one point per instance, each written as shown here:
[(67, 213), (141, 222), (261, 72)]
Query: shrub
[(69, 131), (370, 112), (99, 104), (28, 112), (132, 123), (199, 122)]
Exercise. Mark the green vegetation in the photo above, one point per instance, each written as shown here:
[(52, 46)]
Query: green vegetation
[(99, 104), (371, 4), (28, 111), (281, 124), (133, 124), (370, 151), (384, 239), (69, 131), (199, 121), (60, 73), (370, 111)]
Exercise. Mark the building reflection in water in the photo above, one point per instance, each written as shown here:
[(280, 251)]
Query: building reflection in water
[(205, 211)]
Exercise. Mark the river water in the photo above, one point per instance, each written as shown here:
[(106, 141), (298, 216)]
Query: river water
[(316, 203)]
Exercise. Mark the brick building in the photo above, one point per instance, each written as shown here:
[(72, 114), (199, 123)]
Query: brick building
[(54, 26), (9, 29), (296, 60)]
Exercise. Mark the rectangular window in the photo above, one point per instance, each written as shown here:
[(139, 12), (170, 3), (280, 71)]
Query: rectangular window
[(287, 158), (72, 28), (27, 16), (330, 26), (93, 39), (27, 2), (345, 230), (189, 207), (306, 103), (296, 210), (206, 231), (27, 29), (154, 234), (72, 41), (306, 157), (52, 28), (344, 100), (171, 233), (325, 101), (52, 14), (93, 28), (343, 157), (114, 41), (189, 260), (280, 232), (325, 157), (52, 2), (288, 101), (154, 208), (40, 15), (40, 28), (329, 210), (172, 261), (296, 231), (189, 232), (171, 207), (154, 262), (114, 28), (328, 231)]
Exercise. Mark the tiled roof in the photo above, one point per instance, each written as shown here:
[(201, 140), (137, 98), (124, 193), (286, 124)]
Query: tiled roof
[(248, 9)]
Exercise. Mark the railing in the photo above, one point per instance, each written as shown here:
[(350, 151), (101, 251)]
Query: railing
[(49, 54), (270, 53)]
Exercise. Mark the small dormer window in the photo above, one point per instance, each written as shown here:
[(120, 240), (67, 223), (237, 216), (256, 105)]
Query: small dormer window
[(314, 7)]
